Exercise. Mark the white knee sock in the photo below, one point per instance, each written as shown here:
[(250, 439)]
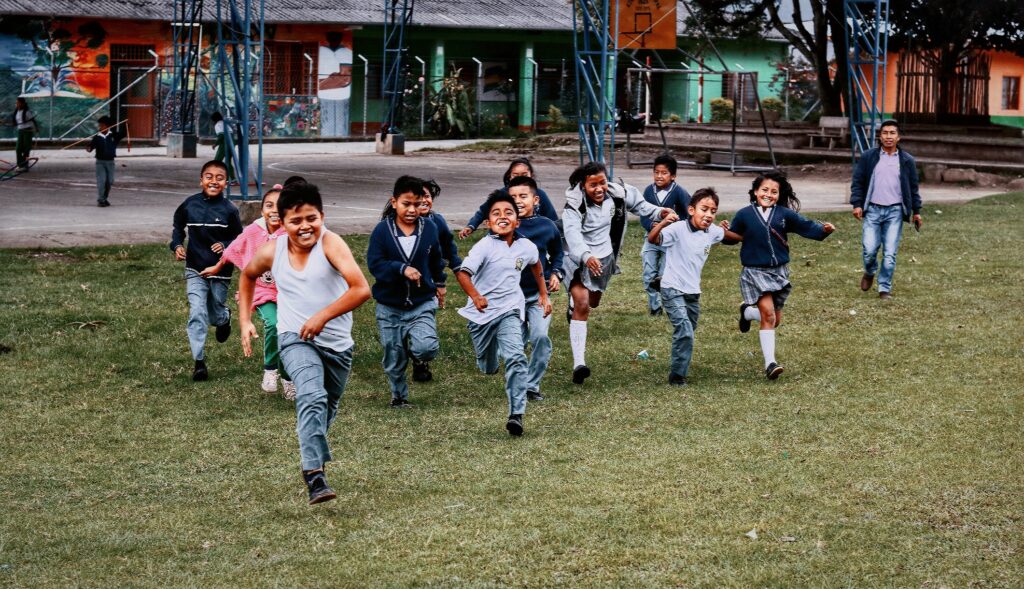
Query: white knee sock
[(578, 341), (767, 345), (752, 313)]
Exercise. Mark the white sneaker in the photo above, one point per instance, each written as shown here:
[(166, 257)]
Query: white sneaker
[(269, 381), (289, 390)]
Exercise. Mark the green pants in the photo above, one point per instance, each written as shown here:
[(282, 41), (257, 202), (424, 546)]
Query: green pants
[(271, 354), (23, 148), (219, 156)]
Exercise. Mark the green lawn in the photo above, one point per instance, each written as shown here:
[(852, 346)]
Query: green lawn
[(888, 454)]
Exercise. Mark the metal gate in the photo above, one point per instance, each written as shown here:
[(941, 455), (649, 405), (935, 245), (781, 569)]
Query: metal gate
[(139, 106)]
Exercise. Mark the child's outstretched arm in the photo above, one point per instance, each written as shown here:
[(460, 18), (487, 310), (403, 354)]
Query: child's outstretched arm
[(654, 236), (340, 256), (260, 263), (466, 282), (538, 274), (808, 228)]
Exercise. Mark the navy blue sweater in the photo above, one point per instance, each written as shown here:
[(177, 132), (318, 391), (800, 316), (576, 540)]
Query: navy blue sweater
[(207, 221), (860, 184), (678, 200), (763, 249), (106, 147), (449, 250), (544, 234), (387, 262), (544, 208)]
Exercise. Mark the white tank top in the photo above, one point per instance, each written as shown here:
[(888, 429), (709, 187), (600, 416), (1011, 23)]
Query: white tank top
[(300, 295)]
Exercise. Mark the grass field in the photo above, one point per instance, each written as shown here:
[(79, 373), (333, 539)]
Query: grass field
[(888, 454)]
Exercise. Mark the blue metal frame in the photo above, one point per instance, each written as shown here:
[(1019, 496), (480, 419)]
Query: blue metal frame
[(867, 49), (186, 24), (397, 14), (240, 73), (595, 49)]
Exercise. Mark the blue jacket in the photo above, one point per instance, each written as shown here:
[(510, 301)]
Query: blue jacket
[(387, 262), (678, 200), (860, 185), (449, 250), (106, 147), (544, 234), (544, 208), (207, 221), (763, 248)]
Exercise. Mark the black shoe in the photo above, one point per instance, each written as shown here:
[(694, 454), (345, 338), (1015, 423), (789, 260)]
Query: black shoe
[(534, 396), (223, 332), (421, 371), (568, 314), (580, 374), (656, 312), (656, 283), (744, 322), (676, 380), (103, 203), (319, 492), (514, 425), (401, 404), (773, 371), (199, 372), (885, 296)]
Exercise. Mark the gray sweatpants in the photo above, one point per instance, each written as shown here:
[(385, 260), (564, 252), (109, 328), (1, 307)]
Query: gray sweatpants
[(104, 179)]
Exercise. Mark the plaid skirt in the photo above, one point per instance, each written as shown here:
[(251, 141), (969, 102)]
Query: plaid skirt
[(582, 273), (755, 282)]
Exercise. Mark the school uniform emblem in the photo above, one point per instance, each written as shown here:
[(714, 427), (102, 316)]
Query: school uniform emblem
[(519, 264)]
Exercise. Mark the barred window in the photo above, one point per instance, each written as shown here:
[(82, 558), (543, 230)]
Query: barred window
[(287, 71), (1011, 93)]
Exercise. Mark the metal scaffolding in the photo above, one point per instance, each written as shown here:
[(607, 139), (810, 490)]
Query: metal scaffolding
[(239, 79), (188, 32), (397, 14), (596, 46), (867, 47)]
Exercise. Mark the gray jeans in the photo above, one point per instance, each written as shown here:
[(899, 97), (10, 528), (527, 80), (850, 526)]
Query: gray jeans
[(405, 333), (207, 305), (683, 311), (502, 337), (104, 179)]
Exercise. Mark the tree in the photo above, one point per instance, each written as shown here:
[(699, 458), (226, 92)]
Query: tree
[(742, 18)]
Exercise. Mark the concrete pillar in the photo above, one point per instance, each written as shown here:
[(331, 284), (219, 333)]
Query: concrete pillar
[(526, 84), (437, 66)]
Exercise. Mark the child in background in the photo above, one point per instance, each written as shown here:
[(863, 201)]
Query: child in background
[(490, 276), (25, 121), (104, 144), (594, 222), (449, 249), (544, 234), (686, 247), (664, 192), (404, 257), (764, 280), (211, 223), (239, 253), (319, 284), (519, 167), (220, 145)]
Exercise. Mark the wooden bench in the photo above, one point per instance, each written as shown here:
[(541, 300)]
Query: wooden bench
[(832, 131)]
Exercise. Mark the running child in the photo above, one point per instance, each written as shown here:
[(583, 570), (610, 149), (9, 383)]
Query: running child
[(404, 257), (104, 144), (520, 166), (220, 146), (544, 234), (264, 301), (686, 246), (664, 192), (764, 281), (318, 283), (449, 249), (594, 221), (210, 223), (490, 276)]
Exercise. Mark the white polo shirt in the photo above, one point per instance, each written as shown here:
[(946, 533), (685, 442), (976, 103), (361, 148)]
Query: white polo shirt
[(686, 250), (495, 268)]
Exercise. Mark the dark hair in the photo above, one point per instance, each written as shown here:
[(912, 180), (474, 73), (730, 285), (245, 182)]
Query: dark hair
[(580, 174), (703, 193), (517, 162), (431, 189), (890, 123), (295, 195), (213, 164), (524, 181), (105, 120), (500, 196), (667, 161), (216, 117), (787, 197), (20, 100), (404, 184), (268, 193), (294, 180)]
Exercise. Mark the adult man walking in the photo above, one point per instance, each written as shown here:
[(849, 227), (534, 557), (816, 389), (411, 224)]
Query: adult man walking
[(884, 195)]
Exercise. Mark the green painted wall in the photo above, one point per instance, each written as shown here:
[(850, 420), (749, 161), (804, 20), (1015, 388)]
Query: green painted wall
[(1008, 121)]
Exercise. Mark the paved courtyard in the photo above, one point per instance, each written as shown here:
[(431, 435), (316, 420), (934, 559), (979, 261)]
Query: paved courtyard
[(55, 204)]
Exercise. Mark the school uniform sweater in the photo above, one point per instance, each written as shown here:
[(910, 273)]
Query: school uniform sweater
[(207, 221), (764, 248), (544, 234), (544, 208), (105, 146), (677, 199), (449, 250), (387, 261), (860, 184)]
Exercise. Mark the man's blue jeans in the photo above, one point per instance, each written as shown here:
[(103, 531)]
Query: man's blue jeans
[(653, 259), (503, 336), (683, 310), (405, 333), (883, 227), (319, 375), (206, 307), (535, 333)]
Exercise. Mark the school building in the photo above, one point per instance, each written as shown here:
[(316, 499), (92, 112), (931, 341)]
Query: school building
[(322, 66)]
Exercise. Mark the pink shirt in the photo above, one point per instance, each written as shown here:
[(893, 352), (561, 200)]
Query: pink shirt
[(242, 250)]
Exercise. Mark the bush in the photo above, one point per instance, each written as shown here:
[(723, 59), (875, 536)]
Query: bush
[(772, 104), (721, 110), (674, 118), (557, 123)]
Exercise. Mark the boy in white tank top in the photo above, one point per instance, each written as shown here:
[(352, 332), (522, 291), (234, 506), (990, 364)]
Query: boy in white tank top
[(318, 286)]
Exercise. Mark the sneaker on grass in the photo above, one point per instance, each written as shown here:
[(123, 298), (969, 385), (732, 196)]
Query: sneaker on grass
[(269, 384), (289, 389), (319, 492)]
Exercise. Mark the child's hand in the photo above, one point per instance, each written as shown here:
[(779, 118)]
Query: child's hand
[(829, 228), (208, 272), (441, 293), (248, 333), (465, 232), (412, 274), (554, 283), (217, 247), (724, 224), (179, 253), (480, 303), (671, 217), (594, 265), (545, 303), (312, 327)]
